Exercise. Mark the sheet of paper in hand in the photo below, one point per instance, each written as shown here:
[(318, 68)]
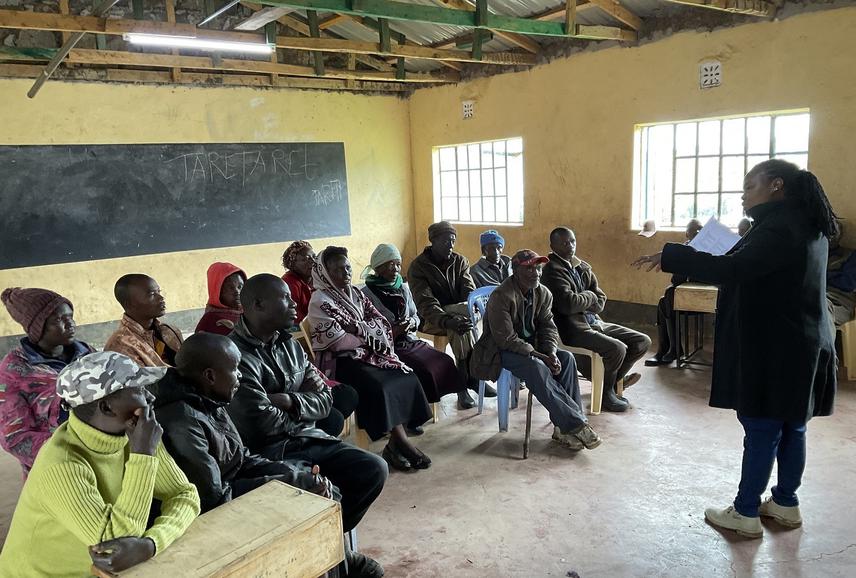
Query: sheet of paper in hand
[(714, 238)]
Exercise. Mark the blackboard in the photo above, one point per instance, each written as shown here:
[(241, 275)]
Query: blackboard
[(62, 204)]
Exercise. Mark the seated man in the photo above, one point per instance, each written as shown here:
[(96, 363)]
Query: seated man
[(199, 434), (140, 335), (223, 309), (667, 347), (91, 490), (440, 282), (520, 336), (577, 300), (281, 396), (493, 268)]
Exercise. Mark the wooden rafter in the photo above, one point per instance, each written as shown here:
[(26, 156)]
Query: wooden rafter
[(262, 17), (206, 78), (520, 40), (758, 8), (121, 58), (423, 52)]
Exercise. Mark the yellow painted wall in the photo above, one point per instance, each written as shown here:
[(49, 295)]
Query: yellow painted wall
[(375, 131), (577, 115)]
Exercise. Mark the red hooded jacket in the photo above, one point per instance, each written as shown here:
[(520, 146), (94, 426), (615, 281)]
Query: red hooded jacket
[(218, 318)]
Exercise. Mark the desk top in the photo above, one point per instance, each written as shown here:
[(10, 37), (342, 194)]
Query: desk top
[(696, 297)]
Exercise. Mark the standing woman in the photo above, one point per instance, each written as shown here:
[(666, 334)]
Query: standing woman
[(774, 359), (354, 343), (392, 298), (29, 406)]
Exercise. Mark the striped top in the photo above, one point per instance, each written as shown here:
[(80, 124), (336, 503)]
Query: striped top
[(86, 487)]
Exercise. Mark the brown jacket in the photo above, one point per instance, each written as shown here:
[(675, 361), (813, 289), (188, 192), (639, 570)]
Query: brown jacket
[(138, 343), (434, 288), (572, 300), (503, 326)]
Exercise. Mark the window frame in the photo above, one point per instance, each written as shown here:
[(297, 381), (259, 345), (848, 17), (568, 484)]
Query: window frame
[(437, 186), (642, 166)]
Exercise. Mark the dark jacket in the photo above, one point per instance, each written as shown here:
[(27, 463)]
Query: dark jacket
[(434, 288), (203, 441), (280, 366), (503, 325), (485, 273), (572, 300), (774, 344)]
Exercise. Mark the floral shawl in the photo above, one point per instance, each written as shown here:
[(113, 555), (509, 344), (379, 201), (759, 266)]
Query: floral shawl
[(331, 309)]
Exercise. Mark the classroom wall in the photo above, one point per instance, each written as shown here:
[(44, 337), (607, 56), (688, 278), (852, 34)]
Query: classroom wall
[(375, 131), (577, 116)]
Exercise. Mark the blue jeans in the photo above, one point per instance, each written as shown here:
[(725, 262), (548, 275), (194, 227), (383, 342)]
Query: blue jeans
[(560, 394), (768, 441)]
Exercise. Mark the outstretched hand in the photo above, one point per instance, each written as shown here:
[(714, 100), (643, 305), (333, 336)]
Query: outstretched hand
[(652, 261)]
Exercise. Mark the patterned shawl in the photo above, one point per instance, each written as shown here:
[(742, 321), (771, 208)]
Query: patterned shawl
[(331, 309)]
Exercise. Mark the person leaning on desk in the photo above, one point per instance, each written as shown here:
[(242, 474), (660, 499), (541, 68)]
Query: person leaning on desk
[(775, 343)]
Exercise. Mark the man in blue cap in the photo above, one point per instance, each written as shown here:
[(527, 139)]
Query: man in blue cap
[(493, 268)]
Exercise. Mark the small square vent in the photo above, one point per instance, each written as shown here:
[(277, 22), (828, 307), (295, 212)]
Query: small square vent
[(709, 74), (468, 108)]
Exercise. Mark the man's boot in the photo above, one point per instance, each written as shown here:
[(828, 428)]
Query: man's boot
[(612, 402), (465, 400)]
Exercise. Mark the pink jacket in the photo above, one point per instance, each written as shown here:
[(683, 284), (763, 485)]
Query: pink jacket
[(29, 406)]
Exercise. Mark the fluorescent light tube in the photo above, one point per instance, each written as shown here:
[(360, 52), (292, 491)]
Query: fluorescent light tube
[(197, 43)]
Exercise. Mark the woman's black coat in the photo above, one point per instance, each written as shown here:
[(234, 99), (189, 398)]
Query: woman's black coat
[(775, 343)]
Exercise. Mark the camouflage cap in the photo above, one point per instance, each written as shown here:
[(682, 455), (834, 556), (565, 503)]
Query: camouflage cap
[(99, 374)]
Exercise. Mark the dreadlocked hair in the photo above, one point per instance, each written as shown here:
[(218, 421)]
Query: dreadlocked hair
[(803, 188), (331, 252)]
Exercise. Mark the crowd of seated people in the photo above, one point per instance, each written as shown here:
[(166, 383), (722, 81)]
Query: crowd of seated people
[(191, 424)]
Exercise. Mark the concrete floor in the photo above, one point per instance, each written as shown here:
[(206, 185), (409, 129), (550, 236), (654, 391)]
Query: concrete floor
[(632, 507)]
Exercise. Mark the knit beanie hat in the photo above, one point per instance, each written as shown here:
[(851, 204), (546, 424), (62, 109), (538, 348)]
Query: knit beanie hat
[(384, 253), (31, 308), (491, 236), (438, 229)]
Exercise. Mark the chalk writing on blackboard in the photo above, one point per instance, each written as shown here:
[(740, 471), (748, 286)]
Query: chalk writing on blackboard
[(211, 166)]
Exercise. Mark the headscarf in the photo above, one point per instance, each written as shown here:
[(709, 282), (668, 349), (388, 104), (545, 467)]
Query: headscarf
[(293, 251), (217, 275), (438, 229), (491, 236), (332, 308), (383, 253), (31, 308)]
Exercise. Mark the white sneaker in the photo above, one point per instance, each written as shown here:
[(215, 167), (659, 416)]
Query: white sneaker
[(588, 437), (788, 516), (731, 519), (570, 441)]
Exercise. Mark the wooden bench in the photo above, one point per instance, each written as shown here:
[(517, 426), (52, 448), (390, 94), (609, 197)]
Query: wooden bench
[(276, 530)]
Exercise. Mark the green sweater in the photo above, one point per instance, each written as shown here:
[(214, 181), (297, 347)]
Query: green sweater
[(86, 487)]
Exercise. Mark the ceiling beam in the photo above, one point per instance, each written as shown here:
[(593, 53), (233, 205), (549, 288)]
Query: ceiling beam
[(520, 40), (427, 14), (758, 8), (263, 17), (619, 12), (423, 52), (200, 78), (121, 58)]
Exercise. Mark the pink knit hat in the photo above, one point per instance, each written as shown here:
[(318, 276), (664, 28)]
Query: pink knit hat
[(32, 307)]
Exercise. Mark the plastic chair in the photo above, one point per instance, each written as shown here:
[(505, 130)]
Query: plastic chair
[(361, 438), (596, 377), (507, 382)]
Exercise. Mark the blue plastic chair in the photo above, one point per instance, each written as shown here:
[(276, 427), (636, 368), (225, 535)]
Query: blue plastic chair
[(507, 382)]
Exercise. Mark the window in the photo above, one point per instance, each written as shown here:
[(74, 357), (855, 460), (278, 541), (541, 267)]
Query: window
[(479, 182), (695, 169)]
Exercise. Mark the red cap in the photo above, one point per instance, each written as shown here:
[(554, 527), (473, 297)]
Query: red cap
[(527, 257)]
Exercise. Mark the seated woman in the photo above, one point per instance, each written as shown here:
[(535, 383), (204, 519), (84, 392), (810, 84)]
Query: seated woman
[(354, 342), (223, 310), (29, 407), (297, 261), (391, 296)]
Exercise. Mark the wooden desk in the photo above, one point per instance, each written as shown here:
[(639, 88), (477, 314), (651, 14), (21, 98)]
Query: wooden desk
[(695, 298), (276, 530)]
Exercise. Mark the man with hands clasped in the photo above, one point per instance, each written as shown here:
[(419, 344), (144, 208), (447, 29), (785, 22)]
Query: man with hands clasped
[(520, 336)]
